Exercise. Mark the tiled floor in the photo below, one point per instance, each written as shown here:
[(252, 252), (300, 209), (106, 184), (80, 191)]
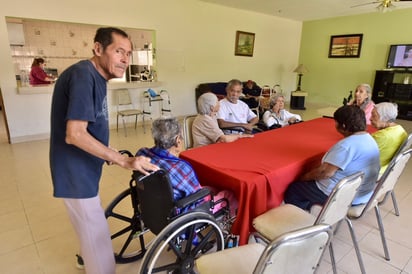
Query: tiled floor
[(36, 236)]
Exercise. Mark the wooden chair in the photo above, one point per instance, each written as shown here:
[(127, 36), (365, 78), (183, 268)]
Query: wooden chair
[(187, 130)]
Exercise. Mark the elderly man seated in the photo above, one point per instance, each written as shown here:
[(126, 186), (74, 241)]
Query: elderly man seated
[(234, 115)]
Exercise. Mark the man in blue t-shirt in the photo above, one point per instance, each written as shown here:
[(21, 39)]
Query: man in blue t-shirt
[(356, 152), (79, 144)]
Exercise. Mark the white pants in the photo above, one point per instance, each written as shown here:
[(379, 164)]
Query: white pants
[(89, 222)]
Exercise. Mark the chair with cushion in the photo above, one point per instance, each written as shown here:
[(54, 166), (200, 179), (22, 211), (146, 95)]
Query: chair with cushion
[(288, 217), (187, 130), (125, 109), (298, 251), (404, 146), (384, 187)]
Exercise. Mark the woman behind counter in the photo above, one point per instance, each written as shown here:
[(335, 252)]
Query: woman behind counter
[(37, 74)]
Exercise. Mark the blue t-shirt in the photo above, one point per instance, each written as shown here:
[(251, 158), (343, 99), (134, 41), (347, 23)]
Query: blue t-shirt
[(358, 152), (79, 94)]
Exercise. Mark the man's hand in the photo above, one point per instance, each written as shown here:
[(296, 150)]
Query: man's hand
[(139, 163)]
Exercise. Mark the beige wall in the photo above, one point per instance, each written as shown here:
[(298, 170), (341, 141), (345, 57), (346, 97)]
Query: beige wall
[(330, 79), (195, 43)]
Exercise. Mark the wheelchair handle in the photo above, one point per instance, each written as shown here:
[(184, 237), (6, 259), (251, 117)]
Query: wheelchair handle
[(124, 151)]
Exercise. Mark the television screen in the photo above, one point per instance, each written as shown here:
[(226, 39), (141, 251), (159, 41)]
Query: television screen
[(400, 56)]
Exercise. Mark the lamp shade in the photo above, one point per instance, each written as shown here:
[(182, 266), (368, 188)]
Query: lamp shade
[(301, 69)]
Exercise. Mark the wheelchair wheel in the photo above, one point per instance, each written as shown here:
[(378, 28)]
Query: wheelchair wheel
[(127, 231), (181, 242)]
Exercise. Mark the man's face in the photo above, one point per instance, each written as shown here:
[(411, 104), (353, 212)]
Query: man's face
[(233, 93), (114, 60)]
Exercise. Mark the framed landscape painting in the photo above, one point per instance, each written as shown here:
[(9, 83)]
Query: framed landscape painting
[(345, 46), (244, 44)]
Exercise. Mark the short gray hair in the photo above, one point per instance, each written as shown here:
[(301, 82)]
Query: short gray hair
[(205, 102), (274, 98), (165, 131), (233, 82), (387, 111)]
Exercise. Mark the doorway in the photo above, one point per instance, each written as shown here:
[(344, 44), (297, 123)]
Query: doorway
[(4, 128)]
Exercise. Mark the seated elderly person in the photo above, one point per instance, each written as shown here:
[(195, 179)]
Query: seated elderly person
[(167, 135), (234, 113), (355, 152), (390, 135), (251, 92), (205, 129), (277, 115), (362, 99)]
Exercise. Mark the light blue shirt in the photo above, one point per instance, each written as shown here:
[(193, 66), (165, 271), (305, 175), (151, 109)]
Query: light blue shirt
[(358, 152)]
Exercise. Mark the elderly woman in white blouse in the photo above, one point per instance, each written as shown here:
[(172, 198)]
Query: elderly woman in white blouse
[(277, 115)]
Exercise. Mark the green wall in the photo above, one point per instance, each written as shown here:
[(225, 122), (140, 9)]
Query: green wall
[(331, 79)]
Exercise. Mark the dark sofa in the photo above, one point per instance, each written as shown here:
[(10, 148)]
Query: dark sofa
[(218, 88)]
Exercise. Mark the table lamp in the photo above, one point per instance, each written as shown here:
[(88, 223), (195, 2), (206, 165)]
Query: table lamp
[(300, 70)]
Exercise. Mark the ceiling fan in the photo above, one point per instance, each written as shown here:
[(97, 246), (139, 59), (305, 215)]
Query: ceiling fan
[(384, 5)]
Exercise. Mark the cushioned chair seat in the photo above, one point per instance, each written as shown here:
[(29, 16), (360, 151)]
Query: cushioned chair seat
[(282, 219), (219, 260)]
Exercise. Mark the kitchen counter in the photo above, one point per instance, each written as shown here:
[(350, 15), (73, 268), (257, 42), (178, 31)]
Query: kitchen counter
[(42, 89)]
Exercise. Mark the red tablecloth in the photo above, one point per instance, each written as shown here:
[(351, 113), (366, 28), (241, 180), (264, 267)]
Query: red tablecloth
[(259, 169)]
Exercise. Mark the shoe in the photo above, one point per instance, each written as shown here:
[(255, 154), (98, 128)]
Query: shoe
[(79, 262)]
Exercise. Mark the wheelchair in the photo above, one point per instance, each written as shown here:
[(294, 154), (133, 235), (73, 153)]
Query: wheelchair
[(181, 231)]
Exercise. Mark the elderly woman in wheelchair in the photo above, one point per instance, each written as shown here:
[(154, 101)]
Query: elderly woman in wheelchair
[(171, 204)]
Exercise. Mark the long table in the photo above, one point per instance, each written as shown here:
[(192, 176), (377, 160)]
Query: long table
[(259, 169)]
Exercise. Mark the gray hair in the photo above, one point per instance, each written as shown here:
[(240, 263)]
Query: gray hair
[(387, 111), (233, 82), (205, 102), (165, 131), (274, 98), (367, 88)]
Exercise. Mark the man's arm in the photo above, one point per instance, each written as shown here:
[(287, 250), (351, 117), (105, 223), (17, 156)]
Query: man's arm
[(324, 171), (77, 135), (226, 124)]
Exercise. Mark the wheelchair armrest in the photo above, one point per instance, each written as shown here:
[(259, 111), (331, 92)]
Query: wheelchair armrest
[(186, 201)]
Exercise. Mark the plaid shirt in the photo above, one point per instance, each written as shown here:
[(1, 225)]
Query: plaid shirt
[(181, 174)]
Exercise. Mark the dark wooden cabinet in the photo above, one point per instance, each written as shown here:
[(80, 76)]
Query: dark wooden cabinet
[(394, 86)]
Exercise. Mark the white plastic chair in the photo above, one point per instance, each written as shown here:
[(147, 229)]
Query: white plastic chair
[(295, 252)]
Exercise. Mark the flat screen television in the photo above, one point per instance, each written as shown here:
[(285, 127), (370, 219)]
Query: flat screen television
[(400, 56)]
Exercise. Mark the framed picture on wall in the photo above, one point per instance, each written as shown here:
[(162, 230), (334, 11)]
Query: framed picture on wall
[(345, 46), (245, 42)]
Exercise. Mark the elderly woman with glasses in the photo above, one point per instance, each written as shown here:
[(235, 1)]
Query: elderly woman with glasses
[(277, 115), (390, 135), (167, 135)]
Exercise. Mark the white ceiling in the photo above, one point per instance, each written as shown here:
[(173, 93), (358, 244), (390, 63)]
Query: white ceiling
[(305, 10)]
